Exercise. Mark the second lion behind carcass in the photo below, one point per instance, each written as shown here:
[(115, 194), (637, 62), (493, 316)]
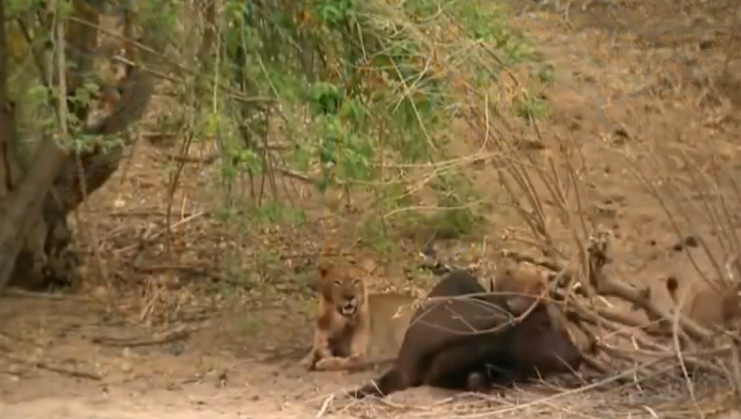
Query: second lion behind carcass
[(710, 305)]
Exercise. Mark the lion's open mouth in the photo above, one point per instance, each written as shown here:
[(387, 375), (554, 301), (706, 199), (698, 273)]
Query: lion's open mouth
[(348, 307)]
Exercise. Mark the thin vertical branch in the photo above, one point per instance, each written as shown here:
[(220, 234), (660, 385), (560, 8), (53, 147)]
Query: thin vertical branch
[(61, 58), (3, 54)]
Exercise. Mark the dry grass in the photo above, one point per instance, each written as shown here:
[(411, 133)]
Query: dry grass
[(548, 400)]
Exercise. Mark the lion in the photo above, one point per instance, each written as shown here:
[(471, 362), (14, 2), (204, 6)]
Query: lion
[(519, 280), (354, 329), (707, 305), (544, 341)]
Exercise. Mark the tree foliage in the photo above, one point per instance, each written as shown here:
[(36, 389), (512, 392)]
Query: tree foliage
[(348, 94)]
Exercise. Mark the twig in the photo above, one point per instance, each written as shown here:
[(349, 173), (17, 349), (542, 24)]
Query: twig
[(547, 263), (325, 406), (53, 368), (13, 292), (150, 239), (192, 159), (179, 333), (678, 349), (197, 271), (626, 373), (736, 370)]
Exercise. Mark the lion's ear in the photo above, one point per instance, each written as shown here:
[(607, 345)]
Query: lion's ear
[(324, 267), (672, 285), (368, 265)]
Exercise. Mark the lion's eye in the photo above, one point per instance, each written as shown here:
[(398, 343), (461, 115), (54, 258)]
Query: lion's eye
[(356, 282), (338, 283)]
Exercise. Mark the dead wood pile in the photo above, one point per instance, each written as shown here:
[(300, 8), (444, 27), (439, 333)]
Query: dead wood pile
[(623, 348)]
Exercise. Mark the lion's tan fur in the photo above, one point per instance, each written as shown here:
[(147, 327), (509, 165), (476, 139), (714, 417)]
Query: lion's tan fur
[(521, 280), (707, 305), (390, 316), (532, 284)]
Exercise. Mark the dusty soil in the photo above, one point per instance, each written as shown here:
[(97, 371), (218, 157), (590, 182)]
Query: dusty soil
[(623, 84)]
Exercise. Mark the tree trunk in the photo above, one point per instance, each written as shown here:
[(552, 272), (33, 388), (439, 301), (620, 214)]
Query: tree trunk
[(34, 236)]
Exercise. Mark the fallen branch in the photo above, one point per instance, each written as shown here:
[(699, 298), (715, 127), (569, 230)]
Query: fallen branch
[(13, 292), (170, 336), (652, 340), (53, 368)]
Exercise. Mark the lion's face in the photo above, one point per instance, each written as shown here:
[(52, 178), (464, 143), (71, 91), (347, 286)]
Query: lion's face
[(344, 286), (526, 286)]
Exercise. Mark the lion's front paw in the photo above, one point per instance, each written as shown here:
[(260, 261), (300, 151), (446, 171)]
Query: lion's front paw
[(309, 361), (332, 363)]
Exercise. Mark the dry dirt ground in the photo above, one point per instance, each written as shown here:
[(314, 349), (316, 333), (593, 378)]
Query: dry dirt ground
[(626, 77)]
